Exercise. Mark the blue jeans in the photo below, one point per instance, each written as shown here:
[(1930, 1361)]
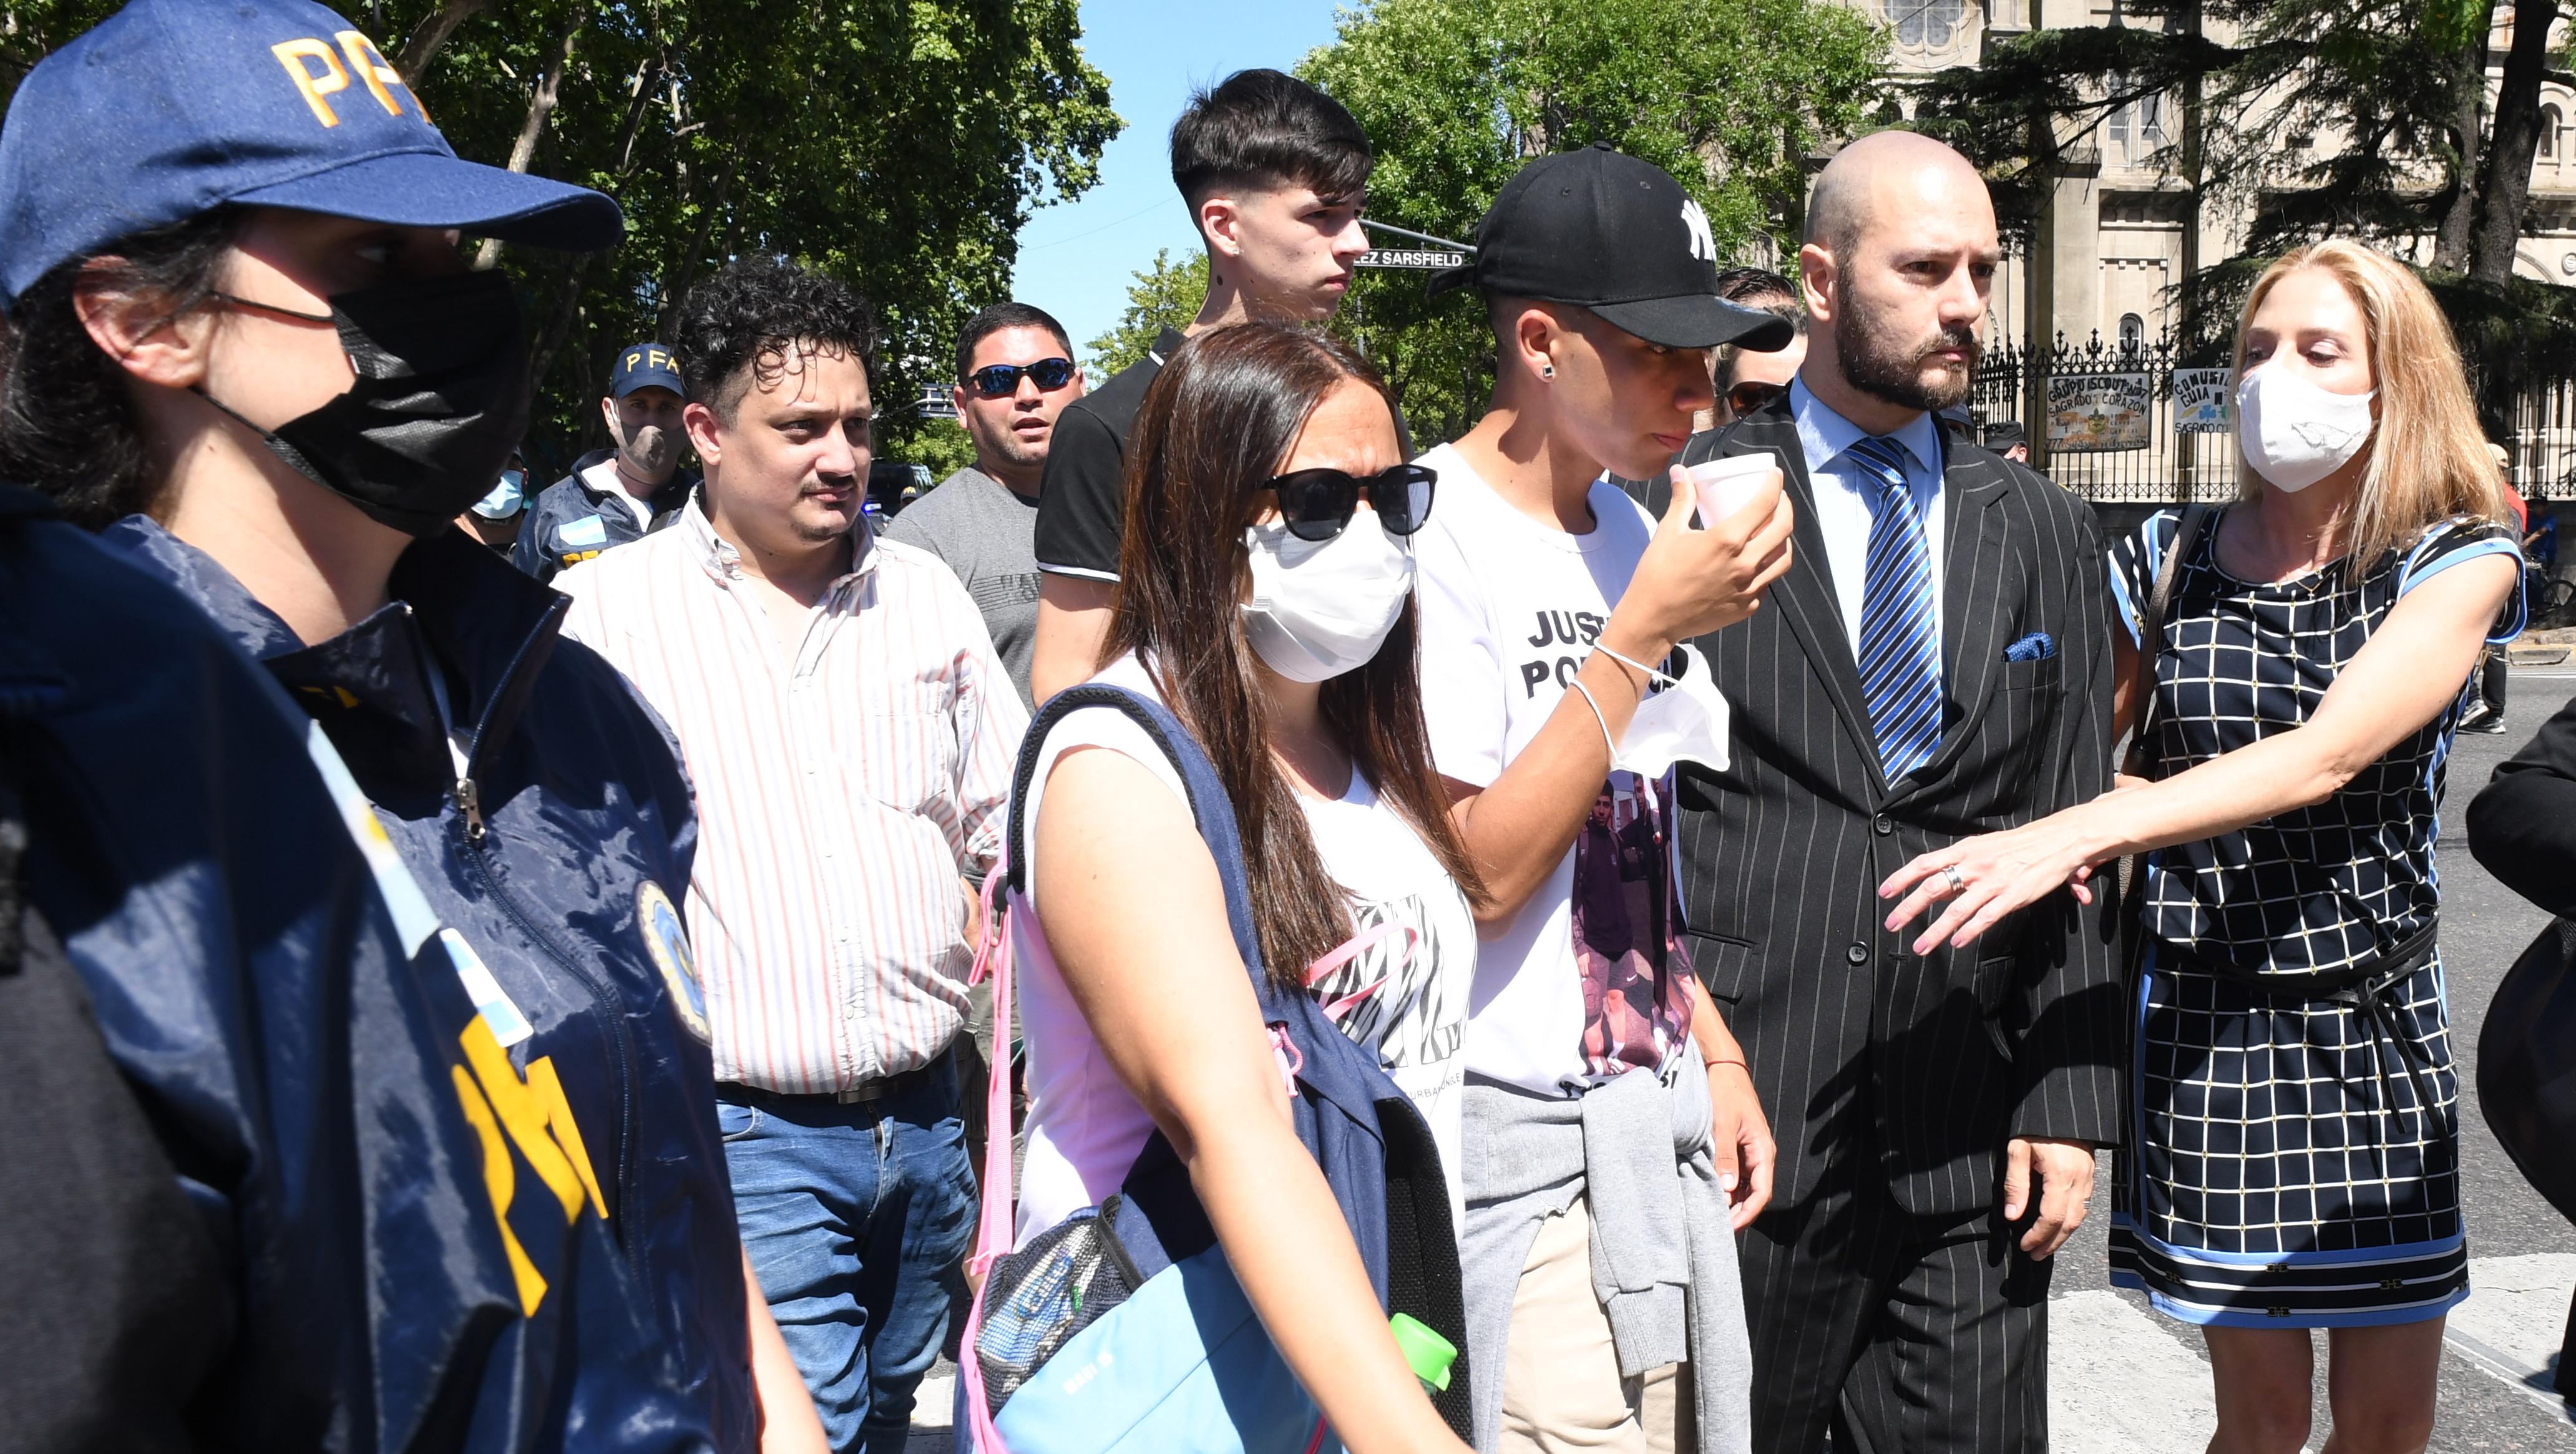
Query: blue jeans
[(857, 1217)]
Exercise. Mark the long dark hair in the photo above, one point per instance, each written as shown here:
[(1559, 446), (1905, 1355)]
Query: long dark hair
[(67, 421), (1216, 424)]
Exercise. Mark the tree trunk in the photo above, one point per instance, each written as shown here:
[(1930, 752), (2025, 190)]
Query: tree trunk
[(2451, 244), (2504, 188), (524, 151), (427, 41)]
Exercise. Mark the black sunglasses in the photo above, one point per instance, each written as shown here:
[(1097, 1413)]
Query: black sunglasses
[(1318, 503), (1746, 397), (994, 381)]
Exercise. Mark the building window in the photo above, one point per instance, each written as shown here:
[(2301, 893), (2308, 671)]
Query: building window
[(1925, 24), (2133, 333), (2551, 119), (2136, 129)]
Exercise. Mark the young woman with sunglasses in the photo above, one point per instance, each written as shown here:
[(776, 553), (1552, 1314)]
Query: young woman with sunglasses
[(1267, 600)]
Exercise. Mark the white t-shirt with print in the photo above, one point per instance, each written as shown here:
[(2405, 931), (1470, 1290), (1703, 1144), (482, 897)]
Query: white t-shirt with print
[(1510, 608), (1085, 1129)]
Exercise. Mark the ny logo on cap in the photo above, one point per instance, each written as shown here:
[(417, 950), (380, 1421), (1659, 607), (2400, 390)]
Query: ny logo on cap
[(1703, 246)]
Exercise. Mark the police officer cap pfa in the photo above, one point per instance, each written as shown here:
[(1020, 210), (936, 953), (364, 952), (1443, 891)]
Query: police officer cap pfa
[(1618, 236), (170, 108), (644, 366)]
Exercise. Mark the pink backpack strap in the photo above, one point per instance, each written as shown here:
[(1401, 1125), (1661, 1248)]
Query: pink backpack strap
[(994, 1234)]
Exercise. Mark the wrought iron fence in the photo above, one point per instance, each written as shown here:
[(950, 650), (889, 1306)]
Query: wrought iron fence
[(2537, 426), (2101, 419)]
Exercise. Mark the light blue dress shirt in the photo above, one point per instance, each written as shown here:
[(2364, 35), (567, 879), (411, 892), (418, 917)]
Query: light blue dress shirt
[(1846, 499)]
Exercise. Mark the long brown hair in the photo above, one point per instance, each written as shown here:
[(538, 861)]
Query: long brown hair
[(1214, 427), (2428, 460)]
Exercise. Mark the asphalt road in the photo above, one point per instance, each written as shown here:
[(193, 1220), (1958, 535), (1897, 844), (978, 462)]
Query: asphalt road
[(2123, 1378)]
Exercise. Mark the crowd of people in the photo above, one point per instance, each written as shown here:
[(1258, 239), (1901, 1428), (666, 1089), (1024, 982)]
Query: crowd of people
[(1620, 930)]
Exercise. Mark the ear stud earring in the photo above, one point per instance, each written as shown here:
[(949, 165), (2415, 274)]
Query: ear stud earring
[(1547, 371)]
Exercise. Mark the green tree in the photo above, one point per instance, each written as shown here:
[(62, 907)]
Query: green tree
[(1165, 295), (2321, 118), (1730, 96), (898, 144)]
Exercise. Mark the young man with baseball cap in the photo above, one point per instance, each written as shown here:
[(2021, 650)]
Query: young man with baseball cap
[(261, 362), (623, 493), (1548, 601)]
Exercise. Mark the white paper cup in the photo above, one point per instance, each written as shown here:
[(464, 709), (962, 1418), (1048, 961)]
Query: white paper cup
[(1727, 485)]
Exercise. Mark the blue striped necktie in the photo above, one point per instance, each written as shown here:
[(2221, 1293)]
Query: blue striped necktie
[(1900, 654)]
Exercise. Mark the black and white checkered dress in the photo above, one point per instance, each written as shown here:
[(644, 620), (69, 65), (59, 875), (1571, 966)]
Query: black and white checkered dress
[(2286, 1171)]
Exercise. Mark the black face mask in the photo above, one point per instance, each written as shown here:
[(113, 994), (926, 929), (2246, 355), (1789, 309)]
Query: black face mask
[(440, 400)]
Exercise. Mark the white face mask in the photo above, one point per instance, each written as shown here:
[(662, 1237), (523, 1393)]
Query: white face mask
[(1321, 607), (2294, 433), (1685, 722)]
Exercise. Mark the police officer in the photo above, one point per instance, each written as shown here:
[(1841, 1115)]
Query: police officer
[(616, 495), (261, 356), (252, 1194)]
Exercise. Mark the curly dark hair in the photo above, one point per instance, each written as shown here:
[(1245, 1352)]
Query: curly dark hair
[(742, 324), (67, 424)]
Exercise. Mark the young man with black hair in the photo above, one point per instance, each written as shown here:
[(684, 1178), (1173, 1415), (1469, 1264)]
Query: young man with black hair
[(1607, 1105), (1275, 173), (1015, 375), (1746, 379), (850, 734)]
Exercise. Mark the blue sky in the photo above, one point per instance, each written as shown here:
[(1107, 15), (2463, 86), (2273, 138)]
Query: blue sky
[(1076, 258)]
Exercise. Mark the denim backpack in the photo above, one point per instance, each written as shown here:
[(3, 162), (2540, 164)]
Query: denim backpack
[(1122, 1328)]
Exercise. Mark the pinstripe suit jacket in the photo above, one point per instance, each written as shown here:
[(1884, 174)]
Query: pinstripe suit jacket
[(1863, 1051)]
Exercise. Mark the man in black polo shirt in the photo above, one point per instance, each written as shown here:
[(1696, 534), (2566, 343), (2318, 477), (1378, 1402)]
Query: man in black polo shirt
[(1275, 174), (615, 495)]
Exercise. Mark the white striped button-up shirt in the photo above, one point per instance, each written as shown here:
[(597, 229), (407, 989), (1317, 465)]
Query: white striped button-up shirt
[(839, 794)]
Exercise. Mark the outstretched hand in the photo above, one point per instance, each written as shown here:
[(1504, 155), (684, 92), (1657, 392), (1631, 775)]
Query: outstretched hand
[(1986, 877)]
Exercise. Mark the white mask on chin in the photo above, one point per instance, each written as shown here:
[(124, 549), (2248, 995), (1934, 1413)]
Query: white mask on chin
[(2295, 433), (1320, 608)]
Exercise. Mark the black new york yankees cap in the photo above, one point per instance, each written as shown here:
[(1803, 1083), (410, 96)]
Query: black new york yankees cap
[(1616, 235)]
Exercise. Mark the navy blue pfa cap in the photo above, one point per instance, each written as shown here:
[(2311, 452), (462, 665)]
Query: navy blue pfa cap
[(645, 366), (1608, 232), (170, 108)]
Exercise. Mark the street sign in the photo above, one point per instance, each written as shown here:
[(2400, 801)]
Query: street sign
[(1388, 257)]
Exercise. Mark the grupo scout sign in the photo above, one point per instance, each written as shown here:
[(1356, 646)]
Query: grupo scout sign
[(2097, 413)]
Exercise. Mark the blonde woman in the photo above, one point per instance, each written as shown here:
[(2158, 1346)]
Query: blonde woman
[(2295, 1143)]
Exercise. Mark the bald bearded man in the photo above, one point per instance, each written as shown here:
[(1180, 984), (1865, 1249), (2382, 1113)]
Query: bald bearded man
[(1936, 662)]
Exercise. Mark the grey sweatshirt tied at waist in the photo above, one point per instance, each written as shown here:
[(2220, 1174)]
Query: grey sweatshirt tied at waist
[(1663, 1252)]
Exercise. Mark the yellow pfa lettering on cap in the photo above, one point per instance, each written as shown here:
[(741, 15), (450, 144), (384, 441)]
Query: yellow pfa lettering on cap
[(312, 84), (369, 63), (631, 358), (660, 359)]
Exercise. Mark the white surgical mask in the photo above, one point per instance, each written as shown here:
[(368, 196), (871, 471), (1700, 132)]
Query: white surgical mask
[(1685, 722), (1320, 608), (2295, 433)]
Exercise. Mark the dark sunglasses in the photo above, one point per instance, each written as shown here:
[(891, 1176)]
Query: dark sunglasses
[(1318, 503), (995, 381), (1746, 397)]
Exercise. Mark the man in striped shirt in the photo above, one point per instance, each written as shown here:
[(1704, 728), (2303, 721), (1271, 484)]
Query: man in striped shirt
[(850, 733)]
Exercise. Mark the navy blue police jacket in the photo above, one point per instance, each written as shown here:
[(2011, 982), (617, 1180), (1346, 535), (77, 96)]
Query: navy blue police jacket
[(573, 520), (309, 1074), (554, 829)]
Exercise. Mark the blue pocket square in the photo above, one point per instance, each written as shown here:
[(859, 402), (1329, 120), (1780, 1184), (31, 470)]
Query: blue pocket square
[(2037, 646)]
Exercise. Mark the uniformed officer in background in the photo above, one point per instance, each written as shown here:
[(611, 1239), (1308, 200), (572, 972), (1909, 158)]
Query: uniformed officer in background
[(620, 494)]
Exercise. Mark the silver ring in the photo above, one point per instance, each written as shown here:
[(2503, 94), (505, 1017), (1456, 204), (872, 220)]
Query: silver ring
[(1950, 871)]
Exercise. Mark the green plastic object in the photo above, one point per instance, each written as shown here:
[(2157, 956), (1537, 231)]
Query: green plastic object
[(1425, 1352)]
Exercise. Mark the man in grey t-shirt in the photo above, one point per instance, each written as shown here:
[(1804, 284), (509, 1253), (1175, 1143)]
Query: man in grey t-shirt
[(1015, 372)]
